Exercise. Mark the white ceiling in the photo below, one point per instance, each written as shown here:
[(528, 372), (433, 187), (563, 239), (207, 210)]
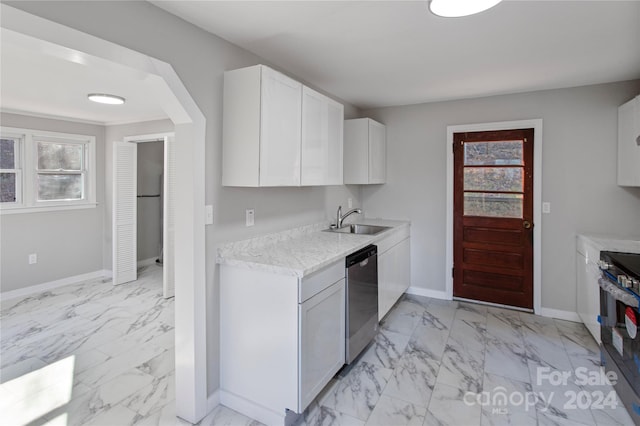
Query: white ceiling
[(382, 53), (40, 78)]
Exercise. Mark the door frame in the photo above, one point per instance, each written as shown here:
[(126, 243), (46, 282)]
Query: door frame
[(138, 139), (536, 124), (190, 246)]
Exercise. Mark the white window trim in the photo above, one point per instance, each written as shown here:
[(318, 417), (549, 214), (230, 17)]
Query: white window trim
[(26, 187), (17, 166)]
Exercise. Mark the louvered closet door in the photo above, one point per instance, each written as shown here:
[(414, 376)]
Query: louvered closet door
[(168, 225), (124, 212)]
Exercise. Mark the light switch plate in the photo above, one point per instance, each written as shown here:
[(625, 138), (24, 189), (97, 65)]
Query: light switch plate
[(249, 215), (208, 214), (546, 207)]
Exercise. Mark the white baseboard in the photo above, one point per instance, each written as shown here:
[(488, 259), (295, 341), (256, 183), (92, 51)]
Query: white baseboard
[(434, 294), (39, 288), (559, 314), (251, 409), (147, 262)]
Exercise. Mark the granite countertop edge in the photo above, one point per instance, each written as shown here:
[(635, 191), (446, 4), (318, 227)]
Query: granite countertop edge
[(302, 251)]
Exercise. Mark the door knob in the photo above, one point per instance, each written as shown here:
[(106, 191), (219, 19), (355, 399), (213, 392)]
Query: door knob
[(526, 224)]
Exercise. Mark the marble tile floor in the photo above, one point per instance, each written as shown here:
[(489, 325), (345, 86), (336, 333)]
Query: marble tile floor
[(97, 354), (455, 363)]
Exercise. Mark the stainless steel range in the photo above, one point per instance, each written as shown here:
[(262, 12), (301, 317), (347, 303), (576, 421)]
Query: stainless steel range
[(619, 316)]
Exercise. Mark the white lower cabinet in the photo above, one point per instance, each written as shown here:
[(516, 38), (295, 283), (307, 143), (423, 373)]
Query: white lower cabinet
[(322, 319), (281, 339), (587, 287), (394, 270)]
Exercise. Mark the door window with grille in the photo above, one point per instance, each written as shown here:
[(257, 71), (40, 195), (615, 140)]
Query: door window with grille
[(493, 178)]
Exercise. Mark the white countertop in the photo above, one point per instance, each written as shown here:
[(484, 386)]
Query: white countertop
[(302, 251), (612, 243)]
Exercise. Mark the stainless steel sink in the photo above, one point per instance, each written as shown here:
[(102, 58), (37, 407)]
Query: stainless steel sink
[(359, 229)]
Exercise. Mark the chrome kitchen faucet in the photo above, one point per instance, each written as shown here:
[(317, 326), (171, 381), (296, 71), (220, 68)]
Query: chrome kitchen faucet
[(340, 218)]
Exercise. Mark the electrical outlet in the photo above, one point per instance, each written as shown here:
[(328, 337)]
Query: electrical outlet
[(33, 258), (546, 207), (350, 202), (249, 216)]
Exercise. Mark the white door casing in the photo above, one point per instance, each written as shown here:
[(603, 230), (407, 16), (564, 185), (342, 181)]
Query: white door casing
[(168, 222), (124, 230), (168, 205)]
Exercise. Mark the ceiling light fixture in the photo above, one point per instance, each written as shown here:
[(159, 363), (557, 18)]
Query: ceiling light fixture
[(457, 8), (103, 98)]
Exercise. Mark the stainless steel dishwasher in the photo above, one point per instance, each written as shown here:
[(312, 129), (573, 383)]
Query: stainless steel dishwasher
[(362, 300)]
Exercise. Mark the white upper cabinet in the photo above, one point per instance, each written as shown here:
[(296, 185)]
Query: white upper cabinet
[(629, 143), (261, 128), (365, 152), (280, 130), (276, 132), (322, 136)]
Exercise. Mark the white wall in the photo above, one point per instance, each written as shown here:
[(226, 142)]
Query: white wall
[(150, 170), (200, 59), (67, 242), (579, 173)]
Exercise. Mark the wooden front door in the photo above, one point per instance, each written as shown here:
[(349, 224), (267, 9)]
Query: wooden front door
[(493, 217)]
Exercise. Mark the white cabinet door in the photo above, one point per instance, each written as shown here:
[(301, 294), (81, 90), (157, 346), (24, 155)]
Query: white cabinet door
[(280, 129), (322, 341), (629, 143), (588, 294), (403, 265), (385, 292), (365, 152), (377, 153), (335, 147), (314, 146), (322, 123), (394, 275)]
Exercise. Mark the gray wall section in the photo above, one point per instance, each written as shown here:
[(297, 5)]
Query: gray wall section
[(200, 60), (578, 176), (150, 167), (67, 242)]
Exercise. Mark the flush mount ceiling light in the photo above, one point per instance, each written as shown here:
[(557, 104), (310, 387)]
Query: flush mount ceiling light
[(457, 8), (103, 98)]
